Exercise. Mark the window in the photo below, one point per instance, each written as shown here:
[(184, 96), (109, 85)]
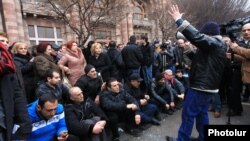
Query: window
[(139, 35), (45, 32), (41, 34), (58, 32), (31, 30), (102, 35), (32, 43), (138, 14)]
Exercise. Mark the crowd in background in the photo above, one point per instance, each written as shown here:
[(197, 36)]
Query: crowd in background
[(109, 87)]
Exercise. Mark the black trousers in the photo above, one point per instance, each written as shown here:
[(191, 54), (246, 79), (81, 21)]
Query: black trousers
[(127, 116), (234, 102)]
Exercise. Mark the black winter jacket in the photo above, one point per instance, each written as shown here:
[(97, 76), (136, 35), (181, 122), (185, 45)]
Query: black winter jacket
[(132, 56), (90, 86), (209, 60), (76, 114), (111, 101)]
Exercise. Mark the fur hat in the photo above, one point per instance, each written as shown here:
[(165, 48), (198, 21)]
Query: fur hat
[(210, 28), (88, 68)]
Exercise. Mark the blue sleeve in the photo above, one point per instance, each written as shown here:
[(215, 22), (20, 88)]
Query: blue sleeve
[(61, 124), (179, 22)]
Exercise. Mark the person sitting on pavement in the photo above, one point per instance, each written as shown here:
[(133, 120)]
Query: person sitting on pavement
[(120, 106), (176, 87), (149, 112), (91, 83), (48, 121), (161, 94), (53, 85), (84, 118)]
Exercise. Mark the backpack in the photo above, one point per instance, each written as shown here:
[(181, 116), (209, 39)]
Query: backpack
[(6, 62)]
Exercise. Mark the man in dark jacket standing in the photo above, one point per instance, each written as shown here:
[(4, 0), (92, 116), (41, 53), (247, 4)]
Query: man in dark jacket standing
[(205, 74), (132, 57), (13, 113), (148, 59)]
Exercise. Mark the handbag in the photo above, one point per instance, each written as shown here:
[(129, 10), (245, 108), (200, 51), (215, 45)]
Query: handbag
[(65, 80)]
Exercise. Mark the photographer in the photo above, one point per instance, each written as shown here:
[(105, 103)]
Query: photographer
[(244, 51), (232, 84)]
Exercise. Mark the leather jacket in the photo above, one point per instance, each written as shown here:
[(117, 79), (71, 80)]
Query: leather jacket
[(209, 60)]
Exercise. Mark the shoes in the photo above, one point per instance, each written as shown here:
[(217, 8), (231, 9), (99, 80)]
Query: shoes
[(158, 117), (173, 110), (155, 122), (233, 113), (194, 139), (116, 139), (175, 139), (134, 132), (211, 110), (244, 99), (170, 138), (169, 112), (217, 114)]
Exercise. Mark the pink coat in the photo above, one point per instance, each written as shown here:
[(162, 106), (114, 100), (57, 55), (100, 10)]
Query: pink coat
[(75, 62)]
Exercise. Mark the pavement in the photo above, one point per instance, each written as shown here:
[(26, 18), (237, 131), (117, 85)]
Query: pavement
[(170, 124)]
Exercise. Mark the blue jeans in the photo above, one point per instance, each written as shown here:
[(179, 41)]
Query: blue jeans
[(216, 102), (195, 107), (147, 112)]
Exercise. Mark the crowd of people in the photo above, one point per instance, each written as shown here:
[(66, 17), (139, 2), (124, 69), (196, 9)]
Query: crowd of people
[(120, 86)]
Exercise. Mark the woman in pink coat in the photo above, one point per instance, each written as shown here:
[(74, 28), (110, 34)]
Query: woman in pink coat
[(73, 62)]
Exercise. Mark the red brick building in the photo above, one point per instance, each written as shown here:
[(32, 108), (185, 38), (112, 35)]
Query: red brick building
[(25, 20)]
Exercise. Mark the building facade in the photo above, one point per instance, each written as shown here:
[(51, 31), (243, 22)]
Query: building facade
[(25, 20)]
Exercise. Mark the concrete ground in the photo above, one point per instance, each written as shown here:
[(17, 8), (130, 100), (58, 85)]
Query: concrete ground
[(170, 124)]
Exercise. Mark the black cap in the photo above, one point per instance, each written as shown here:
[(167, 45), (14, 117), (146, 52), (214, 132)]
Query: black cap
[(55, 47), (135, 76), (88, 68)]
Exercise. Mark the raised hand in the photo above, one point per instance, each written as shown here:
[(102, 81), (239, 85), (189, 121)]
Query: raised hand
[(174, 12)]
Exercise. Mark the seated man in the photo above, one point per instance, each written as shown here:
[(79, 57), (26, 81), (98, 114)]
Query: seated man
[(84, 118), (47, 117), (120, 106), (149, 111), (176, 86), (90, 83), (53, 85), (161, 94)]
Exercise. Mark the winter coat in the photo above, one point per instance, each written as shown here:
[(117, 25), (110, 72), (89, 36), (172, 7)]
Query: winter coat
[(76, 64)]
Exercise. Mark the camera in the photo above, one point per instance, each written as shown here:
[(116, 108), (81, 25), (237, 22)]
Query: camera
[(233, 28)]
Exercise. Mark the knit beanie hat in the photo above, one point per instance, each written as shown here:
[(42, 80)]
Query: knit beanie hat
[(158, 77), (210, 28), (88, 68)]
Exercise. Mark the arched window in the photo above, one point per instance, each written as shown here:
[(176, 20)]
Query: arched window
[(138, 13)]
